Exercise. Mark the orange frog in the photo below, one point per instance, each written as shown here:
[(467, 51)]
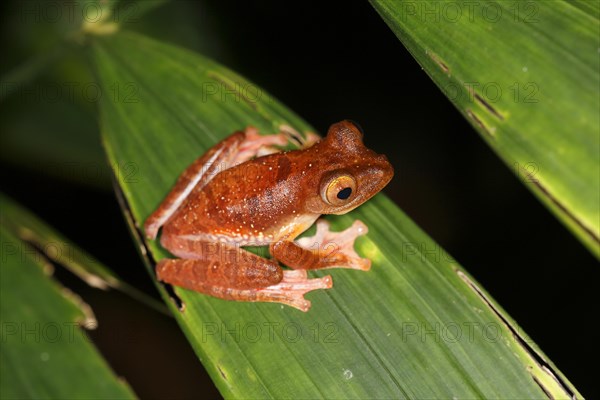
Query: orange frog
[(245, 192)]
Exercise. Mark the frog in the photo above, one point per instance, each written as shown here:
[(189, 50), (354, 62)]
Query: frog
[(248, 191)]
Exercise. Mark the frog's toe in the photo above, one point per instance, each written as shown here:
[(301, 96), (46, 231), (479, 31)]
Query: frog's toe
[(292, 288), (337, 248), (303, 141), (257, 145)]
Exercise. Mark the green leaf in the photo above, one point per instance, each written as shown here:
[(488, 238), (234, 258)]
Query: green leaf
[(51, 81), (58, 249), (45, 353), (525, 75), (61, 142), (55, 85), (415, 326)]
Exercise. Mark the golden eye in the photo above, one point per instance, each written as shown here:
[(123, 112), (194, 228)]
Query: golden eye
[(338, 189)]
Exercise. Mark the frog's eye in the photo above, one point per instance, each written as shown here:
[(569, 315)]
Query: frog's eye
[(338, 189)]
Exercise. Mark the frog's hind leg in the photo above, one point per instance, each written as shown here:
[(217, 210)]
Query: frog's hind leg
[(326, 249), (257, 145), (235, 149), (236, 274), (302, 142), (197, 174), (292, 288)]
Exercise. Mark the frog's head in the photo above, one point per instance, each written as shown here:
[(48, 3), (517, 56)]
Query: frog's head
[(351, 173)]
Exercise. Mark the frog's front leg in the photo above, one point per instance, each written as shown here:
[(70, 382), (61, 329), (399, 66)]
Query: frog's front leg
[(232, 273), (235, 149), (326, 249)]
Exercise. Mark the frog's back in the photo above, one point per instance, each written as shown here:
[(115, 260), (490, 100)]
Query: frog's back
[(249, 201)]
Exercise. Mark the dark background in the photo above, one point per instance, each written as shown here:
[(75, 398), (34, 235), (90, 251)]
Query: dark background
[(328, 62)]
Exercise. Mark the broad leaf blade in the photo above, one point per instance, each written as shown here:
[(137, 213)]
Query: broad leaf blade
[(54, 246), (525, 75), (55, 85), (374, 335), (43, 347), (60, 250)]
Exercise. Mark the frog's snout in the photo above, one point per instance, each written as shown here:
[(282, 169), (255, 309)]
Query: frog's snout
[(385, 170), (383, 160), (380, 161)]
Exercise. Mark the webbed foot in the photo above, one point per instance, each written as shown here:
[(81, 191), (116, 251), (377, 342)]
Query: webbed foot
[(292, 288), (337, 247)]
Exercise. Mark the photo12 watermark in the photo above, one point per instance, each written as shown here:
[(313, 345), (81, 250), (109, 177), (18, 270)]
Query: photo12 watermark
[(455, 332), (43, 332), (269, 332), (73, 11), (236, 92), (70, 92), (527, 171), (124, 171), (58, 251), (424, 252), (492, 92), (467, 11)]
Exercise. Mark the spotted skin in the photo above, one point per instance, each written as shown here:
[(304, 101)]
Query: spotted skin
[(262, 197)]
